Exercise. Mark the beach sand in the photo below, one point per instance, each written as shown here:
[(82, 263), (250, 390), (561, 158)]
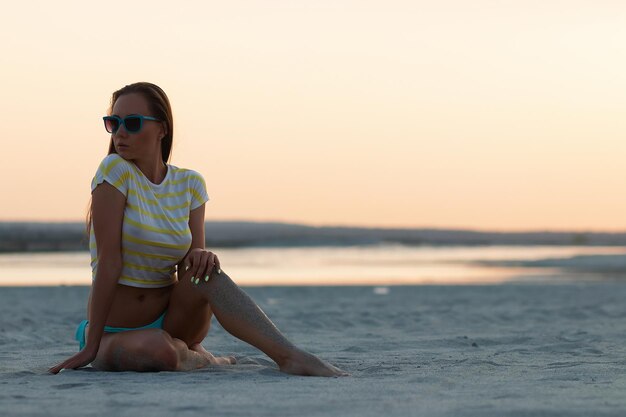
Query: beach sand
[(498, 350)]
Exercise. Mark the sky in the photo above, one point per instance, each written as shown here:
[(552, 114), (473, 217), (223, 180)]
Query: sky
[(487, 115)]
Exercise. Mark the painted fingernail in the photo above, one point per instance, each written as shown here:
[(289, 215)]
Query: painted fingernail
[(197, 280), (206, 278), (219, 271), (191, 279), (186, 267)]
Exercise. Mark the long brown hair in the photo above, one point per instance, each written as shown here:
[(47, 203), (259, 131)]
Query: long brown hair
[(160, 107)]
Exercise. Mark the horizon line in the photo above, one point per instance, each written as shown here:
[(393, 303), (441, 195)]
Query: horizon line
[(446, 228)]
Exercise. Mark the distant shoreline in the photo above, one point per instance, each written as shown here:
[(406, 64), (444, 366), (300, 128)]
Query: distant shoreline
[(54, 237)]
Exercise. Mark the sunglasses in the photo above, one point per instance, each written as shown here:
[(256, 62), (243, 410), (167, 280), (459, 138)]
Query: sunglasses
[(132, 124)]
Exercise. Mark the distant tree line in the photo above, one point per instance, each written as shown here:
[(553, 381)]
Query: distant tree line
[(32, 236)]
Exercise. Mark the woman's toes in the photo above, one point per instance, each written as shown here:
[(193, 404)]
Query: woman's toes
[(213, 360), (226, 360)]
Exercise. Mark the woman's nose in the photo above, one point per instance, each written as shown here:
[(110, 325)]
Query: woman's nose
[(121, 131)]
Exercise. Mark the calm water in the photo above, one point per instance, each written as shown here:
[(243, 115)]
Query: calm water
[(379, 265)]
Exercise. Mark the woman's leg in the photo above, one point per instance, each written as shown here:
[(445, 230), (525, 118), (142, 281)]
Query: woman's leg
[(150, 350), (241, 317)]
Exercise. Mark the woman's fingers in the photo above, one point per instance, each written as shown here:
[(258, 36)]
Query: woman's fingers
[(60, 367), (217, 264), (210, 265), (206, 266), (201, 263), (82, 358), (191, 263), (188, 263), (218, 268), (57, 368), (195, 266)]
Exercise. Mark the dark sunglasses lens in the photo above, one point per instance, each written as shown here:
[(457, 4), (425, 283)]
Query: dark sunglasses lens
[(111, 125), (132, 123)]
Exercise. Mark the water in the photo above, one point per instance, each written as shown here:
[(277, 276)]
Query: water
[(356, 265)]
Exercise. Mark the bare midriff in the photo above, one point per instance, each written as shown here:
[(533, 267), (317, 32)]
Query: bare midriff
[(136, 307)]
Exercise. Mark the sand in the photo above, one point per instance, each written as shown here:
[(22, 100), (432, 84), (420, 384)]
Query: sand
[(498, 350)]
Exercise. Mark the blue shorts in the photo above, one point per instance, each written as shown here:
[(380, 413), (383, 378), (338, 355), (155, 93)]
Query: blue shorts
[(80, 331)]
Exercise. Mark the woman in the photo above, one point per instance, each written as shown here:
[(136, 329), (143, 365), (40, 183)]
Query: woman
[(154, 286)]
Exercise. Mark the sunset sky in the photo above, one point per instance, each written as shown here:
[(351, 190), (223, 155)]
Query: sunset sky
[(499, 115)]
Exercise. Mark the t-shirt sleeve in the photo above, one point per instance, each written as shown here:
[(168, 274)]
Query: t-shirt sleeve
[(199, 195), (114, 170)]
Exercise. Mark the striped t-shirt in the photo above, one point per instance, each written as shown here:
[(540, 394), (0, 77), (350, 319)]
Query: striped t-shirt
[(155, 230)]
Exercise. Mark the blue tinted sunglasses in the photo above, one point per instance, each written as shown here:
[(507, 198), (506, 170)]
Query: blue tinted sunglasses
[(132, 123)]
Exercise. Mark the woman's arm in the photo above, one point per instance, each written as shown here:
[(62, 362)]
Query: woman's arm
[(196, 254), (108, 215), (196, 225)]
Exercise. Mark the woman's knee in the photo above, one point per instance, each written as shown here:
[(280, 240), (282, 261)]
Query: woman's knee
[(153, 350), (201, 282), (188, 292), (166, 353)]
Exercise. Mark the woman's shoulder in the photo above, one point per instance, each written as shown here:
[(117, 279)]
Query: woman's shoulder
[(113, 161), (115, 170), (196, 185), (114, 157), (187, 173)]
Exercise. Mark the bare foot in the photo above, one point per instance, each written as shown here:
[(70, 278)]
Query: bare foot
[(304, 363), (213, 360)]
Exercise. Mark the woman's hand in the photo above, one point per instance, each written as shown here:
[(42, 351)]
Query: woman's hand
[(82, 358), (201, 262)]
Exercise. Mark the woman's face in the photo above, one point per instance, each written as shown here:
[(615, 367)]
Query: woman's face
[(143, 143)]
